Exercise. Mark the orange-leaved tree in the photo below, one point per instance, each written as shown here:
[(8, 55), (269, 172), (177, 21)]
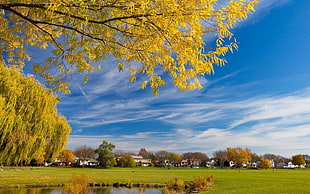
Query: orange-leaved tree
[(239, 155), (66, 156), (298, 160), (265, 163)]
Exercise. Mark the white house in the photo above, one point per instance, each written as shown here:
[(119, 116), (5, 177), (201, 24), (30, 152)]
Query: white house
[(141, 160), (90, 162)]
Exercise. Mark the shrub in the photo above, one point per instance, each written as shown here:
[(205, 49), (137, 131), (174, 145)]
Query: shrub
[(77, 185), (201, 183), (176, 184)]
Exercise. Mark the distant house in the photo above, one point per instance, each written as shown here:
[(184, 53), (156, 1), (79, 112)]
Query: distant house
[(184, 163), (188, 163), (211, 163), (141, 160), (194, 162), (89, 162), (252, 164), (287, 164), (57, 162), (164, 163), (229, 164), (307, 160)]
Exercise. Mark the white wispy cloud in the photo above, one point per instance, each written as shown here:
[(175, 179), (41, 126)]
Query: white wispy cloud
[(267, 5), (77, 131), (219, 116), (263, 123), (207, 120), (284, 141), (263, 8)]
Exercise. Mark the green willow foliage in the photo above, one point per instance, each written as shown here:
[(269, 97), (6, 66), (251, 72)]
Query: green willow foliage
[(30, 126)]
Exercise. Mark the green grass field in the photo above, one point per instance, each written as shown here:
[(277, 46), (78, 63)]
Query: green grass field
[(295, 181)]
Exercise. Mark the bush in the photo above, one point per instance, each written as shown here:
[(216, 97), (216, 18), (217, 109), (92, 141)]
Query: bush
[(176, 184), (201, 183), (77, 185)]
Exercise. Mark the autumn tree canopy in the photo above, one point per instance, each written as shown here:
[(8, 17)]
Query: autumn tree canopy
[(66, 156), (298, 160), (150, 38), (239, 155), (265, 163), (30, 126), (275, 158)]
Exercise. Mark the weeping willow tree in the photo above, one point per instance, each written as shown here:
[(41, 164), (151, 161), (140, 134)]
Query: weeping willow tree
[(30, 126), (182, 38)]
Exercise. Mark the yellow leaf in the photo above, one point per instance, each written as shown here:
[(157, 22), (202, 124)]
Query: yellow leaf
[(132, 79), (121, 66), (144, 84), (85, 79)]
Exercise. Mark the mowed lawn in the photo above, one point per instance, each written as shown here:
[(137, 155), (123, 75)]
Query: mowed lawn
[(295, 181)]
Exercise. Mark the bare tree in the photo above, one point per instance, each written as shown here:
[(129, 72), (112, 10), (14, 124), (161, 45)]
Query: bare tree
[(200, 157), (162, 155), (275, 158), (220, 156), (144, 153), (84, 153)]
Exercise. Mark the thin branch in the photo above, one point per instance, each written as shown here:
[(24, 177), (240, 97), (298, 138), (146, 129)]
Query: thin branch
[(160, 30), (42, 6), (35, 24)]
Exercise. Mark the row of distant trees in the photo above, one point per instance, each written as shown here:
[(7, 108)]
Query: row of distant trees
[(106, 156), (242, 156)]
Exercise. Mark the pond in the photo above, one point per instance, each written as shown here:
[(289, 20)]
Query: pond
[(91, 191)]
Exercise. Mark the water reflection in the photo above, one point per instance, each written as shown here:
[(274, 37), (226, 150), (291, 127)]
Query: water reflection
[(91, 191), (126, 191)]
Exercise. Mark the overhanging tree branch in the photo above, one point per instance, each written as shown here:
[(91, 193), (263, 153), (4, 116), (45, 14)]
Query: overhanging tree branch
[(158, 34)]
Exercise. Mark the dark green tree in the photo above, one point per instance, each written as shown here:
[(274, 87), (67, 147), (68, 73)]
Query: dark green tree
[(105, 155)]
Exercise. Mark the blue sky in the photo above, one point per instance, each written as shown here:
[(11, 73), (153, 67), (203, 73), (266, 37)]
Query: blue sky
[(259, 100)]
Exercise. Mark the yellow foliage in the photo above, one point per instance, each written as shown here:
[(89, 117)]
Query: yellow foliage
[(77, 185), (30, 125), (239, 155), (132, 79), (66, 156), (161, 35), (265, 163), (298, 160)]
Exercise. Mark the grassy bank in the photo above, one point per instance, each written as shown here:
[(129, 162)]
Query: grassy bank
[(227, 180)]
